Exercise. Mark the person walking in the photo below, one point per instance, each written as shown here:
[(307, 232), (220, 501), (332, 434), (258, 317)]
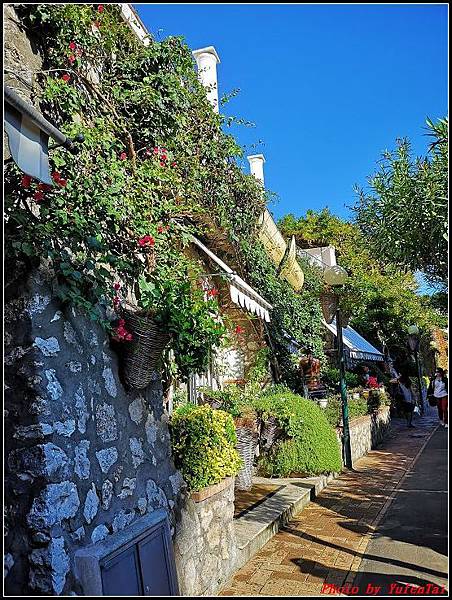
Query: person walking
[(408, 402), (439, 387)]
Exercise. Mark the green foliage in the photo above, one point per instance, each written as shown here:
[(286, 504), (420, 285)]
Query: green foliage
[(203, 445), (331, 378), (312, 446), (382, 299), (404, 215), (295, 314), (357, 407)]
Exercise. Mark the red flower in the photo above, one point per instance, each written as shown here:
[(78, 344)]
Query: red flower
[(160, 229), (66, 78), (239, 329), (44, 187), (212, 293), (96, 24), (173, 164), (129, 337), (123, 155), (71, 59), (72, 46), (147, 239), (38, 196), (62, 182), (100, 8), (56, 176), (116, 301), (156, 150), (162, 164), (116, 286), (25, 181)]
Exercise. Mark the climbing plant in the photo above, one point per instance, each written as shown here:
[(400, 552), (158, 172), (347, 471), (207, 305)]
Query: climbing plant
[(156, 165)]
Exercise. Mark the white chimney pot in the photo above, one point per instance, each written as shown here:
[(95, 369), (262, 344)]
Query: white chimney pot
[(257, 166), (207, 60)]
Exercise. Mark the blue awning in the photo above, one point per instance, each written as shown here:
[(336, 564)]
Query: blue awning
[(357, 347)]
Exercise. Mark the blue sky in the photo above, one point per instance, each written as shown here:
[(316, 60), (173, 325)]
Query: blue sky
[(329, 87)]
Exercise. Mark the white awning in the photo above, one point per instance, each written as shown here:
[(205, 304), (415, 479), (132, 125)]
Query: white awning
[(242, 294)]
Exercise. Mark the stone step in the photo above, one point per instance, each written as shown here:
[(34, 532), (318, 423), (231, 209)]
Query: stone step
[(258, 525)]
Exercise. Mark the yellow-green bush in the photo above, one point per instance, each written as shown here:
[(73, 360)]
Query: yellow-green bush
[(203, 443)]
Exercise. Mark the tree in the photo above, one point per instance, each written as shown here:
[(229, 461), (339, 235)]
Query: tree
[(404, 215), (382, 298)]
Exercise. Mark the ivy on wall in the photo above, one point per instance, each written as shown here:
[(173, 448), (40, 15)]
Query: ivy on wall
[(155, 161)]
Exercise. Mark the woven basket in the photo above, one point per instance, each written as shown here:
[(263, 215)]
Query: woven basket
[(247, 441), (143, 353), (270, 433)]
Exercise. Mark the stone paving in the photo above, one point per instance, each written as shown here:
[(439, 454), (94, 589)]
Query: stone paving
[(325, 543)]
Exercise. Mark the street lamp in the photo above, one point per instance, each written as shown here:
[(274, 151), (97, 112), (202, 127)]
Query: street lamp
[(336, 277), (414, 343)]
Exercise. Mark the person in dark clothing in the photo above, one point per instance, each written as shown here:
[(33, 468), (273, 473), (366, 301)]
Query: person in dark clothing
[(408, 402)]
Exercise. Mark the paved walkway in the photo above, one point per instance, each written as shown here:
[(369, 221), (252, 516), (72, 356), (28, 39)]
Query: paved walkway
[(327, 542)]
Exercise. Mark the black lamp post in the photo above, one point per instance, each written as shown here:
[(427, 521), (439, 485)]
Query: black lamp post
[(336, 277), (414, 343)]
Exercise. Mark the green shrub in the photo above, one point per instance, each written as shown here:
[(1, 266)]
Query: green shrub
[(333, 411), (312, 446), (331, 378), (203, 443)]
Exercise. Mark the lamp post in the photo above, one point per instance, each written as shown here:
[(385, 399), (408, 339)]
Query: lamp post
[(336, 277), (414, 343)]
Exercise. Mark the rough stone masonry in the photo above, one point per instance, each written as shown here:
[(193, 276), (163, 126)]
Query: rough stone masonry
[(84, 458)]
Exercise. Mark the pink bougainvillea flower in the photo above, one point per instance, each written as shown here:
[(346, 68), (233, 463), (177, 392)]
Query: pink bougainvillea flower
[(38, 196), (123, 155), (66, 78), (147, 239), (72, 46), (117, 286), (100, 8), (129, 337), (25, 181), (239, 329), (156, 150), (71, 59)]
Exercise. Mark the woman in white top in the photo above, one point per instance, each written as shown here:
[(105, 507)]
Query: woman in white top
[(440, 393)]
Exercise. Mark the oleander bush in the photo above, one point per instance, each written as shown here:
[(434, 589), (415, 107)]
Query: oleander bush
[(203, 444), (310, 446)]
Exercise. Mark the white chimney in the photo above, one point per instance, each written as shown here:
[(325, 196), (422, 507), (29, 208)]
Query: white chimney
[(257, 166), (207, 60)]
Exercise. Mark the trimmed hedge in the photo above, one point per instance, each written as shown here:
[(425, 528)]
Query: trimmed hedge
[(203, 443), (311, 446), (356, 407)]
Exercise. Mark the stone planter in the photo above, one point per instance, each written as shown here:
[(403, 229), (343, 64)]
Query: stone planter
[(211, 490)]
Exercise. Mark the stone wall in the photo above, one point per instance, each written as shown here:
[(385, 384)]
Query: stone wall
[(205, 546), (84, 458), (367, 432)]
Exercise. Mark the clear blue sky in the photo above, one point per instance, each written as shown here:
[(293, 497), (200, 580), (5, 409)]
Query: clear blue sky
[(329, 87)]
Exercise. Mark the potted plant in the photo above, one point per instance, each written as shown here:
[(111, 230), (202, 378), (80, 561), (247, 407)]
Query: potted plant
[(171, 307)]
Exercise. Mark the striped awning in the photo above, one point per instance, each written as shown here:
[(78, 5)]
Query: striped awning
[(241, 293)]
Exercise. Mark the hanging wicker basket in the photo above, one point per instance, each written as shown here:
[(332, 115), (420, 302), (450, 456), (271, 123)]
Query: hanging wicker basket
[(144, 352), (328, 302)]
